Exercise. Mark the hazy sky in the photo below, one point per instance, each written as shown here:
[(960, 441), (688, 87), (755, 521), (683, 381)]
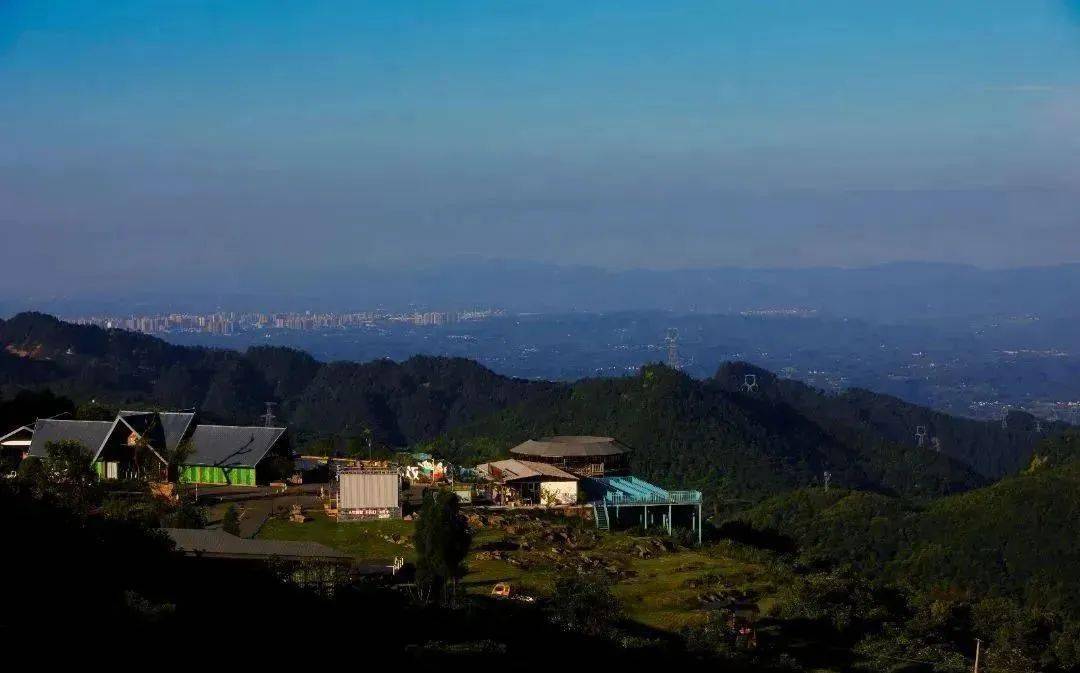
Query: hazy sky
[(154, 141)]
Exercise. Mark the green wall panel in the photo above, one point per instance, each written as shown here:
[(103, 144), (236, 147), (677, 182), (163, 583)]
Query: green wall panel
[(209, 474)]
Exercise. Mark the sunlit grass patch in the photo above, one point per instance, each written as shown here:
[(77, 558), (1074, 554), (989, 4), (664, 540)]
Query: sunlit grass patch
[(365, 540)]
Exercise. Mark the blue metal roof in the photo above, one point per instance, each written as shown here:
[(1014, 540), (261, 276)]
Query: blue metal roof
[(635, 491)]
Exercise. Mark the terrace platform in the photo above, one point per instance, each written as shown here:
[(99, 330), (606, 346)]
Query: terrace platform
[(629, 501)]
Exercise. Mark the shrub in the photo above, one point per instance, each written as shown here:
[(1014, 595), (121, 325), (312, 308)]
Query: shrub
[(585, 604)]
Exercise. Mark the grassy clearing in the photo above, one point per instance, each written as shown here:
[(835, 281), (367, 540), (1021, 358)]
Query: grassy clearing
[(665, 591), (662, 591), (365, 540)]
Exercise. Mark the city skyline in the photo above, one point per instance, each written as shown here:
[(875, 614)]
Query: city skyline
[(230, 322)]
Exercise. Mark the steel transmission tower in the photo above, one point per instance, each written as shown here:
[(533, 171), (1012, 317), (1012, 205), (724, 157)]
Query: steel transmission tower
[(269, 418), (749, 383), (673, 348)]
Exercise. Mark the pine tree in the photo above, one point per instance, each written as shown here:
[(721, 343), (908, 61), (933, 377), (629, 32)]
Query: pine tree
[(230, 523), (442, 541)]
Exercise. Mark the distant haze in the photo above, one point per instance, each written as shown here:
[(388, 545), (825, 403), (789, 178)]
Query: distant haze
[(318, 148), (890, 293)]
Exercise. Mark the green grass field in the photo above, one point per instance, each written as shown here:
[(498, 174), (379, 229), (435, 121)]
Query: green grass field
[(365, 540), (662, 591)]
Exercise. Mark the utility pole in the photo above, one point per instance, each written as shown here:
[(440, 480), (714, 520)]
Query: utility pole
[(978, 647)]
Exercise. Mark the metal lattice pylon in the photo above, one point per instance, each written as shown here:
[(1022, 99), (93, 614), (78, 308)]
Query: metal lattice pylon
[(673, 348), (750, 383), (269, 418)]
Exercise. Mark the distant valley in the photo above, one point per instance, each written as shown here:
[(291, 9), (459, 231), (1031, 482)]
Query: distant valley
[(969, 341), (980, 368)]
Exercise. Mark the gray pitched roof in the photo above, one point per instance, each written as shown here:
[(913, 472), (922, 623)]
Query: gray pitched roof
[(175, 424), (513, 469), (146, 424), (21, 429), (570, 446), (90, 434), (231, 446), (221, 544)]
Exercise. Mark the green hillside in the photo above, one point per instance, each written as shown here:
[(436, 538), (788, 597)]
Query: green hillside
[(1001, 563), (692, 433), (860, 416), (1015, 538)]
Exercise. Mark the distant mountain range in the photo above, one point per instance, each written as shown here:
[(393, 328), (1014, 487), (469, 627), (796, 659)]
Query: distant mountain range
[(898, 292), (709, 433)]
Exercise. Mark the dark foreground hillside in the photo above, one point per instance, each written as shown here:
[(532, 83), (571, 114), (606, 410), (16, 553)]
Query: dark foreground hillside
[(130, 582)]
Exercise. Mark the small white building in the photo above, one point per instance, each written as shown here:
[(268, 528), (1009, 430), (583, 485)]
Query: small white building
[(365, 494), (530, 483)]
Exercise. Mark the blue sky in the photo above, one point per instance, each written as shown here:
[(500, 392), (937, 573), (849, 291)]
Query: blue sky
[(622, 134)]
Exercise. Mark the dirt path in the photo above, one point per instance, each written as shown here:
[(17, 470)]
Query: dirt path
[(256, 505)]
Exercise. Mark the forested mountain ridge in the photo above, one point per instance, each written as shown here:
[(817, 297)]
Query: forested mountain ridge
[(695, 434), (406, 402), (400, 403), (710, 434), (992, 449)]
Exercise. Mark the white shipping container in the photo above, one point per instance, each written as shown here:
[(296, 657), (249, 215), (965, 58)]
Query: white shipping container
[(369, 490)]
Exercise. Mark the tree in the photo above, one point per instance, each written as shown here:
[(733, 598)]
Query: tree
[(93, 411), (368, 438), (176, 458), (361, 445), (442, 541), (584, 603), (187, 515), (29, 405), (277, 468), (230, 523), (66, 474)]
